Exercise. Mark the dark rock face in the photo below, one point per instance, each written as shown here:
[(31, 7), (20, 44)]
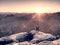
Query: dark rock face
[(8, 40), (5, 40), (48, 39), (27, 37)]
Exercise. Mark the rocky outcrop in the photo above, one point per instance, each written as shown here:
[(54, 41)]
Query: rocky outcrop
[(32, 37)]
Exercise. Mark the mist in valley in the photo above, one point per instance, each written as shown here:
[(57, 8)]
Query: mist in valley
[(12, 23)]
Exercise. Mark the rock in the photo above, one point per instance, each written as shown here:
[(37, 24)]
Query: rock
[(5, 40), (40, 36)]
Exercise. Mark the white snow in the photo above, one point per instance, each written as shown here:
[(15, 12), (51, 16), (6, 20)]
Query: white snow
[(38, 36), (41, 36), (14, 36)]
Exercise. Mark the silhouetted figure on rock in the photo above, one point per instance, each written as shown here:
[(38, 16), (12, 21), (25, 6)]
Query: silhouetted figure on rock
[(37, 27)]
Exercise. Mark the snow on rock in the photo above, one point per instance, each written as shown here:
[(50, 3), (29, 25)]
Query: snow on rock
[(34, 32), (56, 42), (46, 43), (40, 36), (5, 40), (12, 38), (21, 43), (26, 37), (19, 35), (30, 38)]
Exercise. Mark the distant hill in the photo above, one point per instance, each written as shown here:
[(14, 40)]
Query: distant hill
[(50, 23), (12, 23)]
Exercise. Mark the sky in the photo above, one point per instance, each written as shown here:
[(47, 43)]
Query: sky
[(27, 6)]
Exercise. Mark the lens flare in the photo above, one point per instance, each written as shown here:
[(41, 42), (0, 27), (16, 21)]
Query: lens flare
[(38, 10)]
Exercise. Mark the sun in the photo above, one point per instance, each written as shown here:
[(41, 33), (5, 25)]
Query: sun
[(39, 11)]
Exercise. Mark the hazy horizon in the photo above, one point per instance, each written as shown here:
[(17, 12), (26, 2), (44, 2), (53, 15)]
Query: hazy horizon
[(30, 6)]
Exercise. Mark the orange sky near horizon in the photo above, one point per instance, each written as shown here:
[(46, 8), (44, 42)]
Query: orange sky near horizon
[(32, 7)]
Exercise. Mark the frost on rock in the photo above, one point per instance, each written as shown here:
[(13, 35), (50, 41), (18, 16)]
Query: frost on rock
[(46, 43), (40, 36), (56, 42), (19, 35), (5, 40), (34, 32), (30, 38)]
